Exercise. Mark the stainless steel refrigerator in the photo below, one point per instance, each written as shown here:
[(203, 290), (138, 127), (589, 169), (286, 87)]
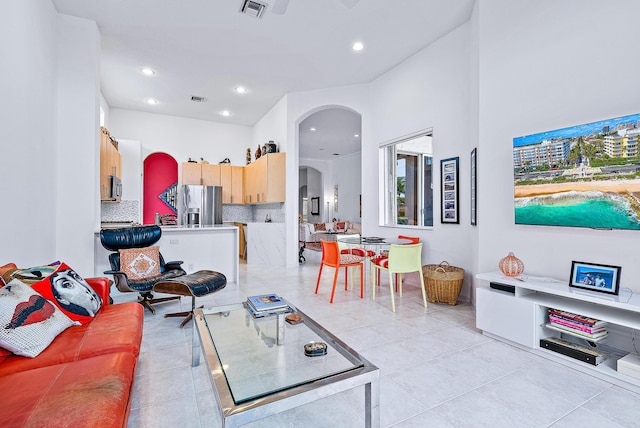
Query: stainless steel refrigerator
[(200, 205)]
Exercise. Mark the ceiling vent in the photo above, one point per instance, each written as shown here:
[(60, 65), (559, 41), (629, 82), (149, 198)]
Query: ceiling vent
[(197, 99), (253, 8)]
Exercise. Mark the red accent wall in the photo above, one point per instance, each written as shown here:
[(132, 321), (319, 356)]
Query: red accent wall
[(160, 172)]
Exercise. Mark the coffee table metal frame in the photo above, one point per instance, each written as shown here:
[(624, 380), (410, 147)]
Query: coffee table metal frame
[(234, 415)]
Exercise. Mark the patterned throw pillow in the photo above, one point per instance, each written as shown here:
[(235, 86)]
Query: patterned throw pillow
[(28, 275), (70, 293), (28, 321), (140, 263), (341, 226), (319, 226)]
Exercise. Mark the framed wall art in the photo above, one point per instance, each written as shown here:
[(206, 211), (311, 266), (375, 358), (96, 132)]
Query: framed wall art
[(450, 203), (315, 206), (474, 190), (595, 277)]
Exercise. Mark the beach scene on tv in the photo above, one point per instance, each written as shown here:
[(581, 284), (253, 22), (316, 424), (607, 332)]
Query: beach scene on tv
[(582, 176)]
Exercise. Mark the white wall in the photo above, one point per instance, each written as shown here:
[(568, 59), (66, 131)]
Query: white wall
[(347, 174), (78, 149), (131, 153), (272, 127), (429, 90), (546, 65), (104, 105), (181, 137), (49, 111), (27, 108)]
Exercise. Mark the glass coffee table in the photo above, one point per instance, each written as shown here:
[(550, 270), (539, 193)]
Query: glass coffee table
[(258, 367)]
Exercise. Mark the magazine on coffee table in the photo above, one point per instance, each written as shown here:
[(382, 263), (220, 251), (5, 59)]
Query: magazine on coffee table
[(266, 303)]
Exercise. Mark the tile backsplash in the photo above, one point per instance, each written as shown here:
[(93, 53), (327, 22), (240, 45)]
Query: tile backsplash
[(130, 211), (253, 213), (120, 211)]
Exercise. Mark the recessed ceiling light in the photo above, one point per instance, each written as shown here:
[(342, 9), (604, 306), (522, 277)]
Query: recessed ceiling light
[(356, 135), (321, 149), (312, 129), (225, 113), (336, 154), (357, 46), (198, 99), (147, 71), (151, 101), (240, 90)]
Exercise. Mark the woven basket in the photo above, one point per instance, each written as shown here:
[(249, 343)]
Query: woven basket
[(443, 282)]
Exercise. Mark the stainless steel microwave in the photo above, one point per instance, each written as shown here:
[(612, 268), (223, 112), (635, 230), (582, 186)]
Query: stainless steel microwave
[(116, 188)]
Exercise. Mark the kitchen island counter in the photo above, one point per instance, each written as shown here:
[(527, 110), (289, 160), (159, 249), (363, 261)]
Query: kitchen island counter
[(199, 247), (266, 243)]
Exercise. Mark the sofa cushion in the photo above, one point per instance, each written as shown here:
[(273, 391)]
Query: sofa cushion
[(29, 275), (4, 354), (341, 226), (71, 293), (94, 392), (319, 227), (28, 321), (140, 263), (117, 328)]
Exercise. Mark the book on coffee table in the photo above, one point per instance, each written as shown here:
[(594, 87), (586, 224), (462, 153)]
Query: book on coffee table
[(267, 303)]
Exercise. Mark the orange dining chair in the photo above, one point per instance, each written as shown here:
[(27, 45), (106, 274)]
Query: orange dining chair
[(412, 239), (402, 259), (331, 257), (348, 249)]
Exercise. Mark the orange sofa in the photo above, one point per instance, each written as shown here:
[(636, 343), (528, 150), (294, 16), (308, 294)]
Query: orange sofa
[(85, 376)]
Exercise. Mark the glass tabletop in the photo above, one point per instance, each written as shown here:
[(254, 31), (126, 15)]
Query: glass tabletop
[(371, 240), (259, 357)]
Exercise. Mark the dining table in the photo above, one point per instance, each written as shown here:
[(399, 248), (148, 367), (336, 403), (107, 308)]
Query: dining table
[(374, 243)]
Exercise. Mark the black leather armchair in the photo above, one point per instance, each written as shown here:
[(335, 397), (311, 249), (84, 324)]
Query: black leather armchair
[(138, 237)]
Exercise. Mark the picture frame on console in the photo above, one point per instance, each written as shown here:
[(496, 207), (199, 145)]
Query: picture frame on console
[(595, 277)]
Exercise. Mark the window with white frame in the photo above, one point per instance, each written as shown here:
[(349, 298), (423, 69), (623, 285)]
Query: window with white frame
[(408, 180)]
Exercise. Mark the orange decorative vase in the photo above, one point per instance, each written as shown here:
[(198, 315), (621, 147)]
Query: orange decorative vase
[(511, 265)]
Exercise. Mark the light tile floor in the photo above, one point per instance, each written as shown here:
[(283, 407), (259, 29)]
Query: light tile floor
[(436, 369)]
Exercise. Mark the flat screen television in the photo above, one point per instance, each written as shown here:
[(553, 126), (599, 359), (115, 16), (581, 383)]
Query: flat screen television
[(582, 176)]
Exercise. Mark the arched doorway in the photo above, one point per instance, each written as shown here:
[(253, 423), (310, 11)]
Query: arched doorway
[(329, 164), (160, 186), (329, 142)]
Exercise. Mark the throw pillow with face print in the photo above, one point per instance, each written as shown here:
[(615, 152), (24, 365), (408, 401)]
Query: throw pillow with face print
[(71, 293)]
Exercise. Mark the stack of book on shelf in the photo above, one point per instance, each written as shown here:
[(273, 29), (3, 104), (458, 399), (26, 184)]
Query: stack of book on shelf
[(265, 305), (577, 325)]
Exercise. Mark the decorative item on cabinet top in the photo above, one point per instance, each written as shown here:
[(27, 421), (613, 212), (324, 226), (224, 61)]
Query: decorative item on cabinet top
[(511, 265), (271, 147), (248, 156), (258, 152)]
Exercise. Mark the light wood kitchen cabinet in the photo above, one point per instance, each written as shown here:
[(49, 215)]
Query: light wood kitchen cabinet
[(211, 175), (110, 163), (276, 177), (265, 179), (200, 173), (191, 173), (231, 180)]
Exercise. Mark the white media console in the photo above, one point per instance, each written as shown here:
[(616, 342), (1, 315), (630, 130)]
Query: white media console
[(521, 317)]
